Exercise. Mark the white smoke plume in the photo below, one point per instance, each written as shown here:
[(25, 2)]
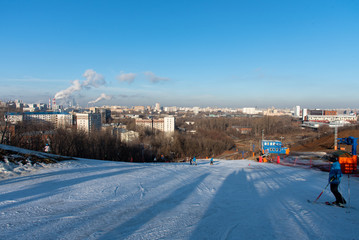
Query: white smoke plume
[(76, 86), (102, 97), (93, 79), (155, 79), (126, 77)]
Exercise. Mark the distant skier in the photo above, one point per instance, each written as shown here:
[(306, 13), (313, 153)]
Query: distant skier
[(190, 161), (335, 176), (47, 148), (195, 160), (211, 162)]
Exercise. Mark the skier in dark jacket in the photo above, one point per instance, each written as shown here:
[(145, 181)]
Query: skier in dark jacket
[(335, 176)]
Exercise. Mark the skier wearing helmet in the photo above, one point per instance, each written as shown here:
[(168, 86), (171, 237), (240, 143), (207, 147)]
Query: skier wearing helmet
[(335, 176)]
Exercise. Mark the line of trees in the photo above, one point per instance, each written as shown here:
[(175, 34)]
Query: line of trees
[(212, 136), (271, 125), (204, 143), (101, 145)]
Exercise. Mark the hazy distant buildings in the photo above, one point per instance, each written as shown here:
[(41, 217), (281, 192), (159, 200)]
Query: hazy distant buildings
[(72, 103), (170, 109), (108, 114), (196, 110), (158, 107), (277, 112), (31, 108), (250, 110), (139, 109), (19, 104)]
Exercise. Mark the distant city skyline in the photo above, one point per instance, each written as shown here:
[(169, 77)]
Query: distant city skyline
[(181, 53), (296, 111)]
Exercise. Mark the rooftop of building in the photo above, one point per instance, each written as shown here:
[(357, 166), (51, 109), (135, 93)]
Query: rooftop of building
[(37, 113)]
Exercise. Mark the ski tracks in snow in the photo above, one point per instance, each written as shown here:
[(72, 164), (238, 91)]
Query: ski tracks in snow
[(111, 200)]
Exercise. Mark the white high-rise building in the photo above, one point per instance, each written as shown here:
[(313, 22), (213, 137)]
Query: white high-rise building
[(158, 107), (169, 124), (297, 111)]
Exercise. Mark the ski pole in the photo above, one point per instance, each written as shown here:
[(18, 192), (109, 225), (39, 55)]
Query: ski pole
[(323, 191)]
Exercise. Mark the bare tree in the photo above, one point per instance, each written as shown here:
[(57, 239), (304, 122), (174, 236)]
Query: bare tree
[(4, 128)]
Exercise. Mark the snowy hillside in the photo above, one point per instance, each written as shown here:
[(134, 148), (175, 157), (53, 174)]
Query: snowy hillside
[(89, 199), (18, 161)]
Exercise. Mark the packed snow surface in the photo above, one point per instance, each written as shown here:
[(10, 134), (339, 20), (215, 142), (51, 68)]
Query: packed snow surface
[(90, 199)]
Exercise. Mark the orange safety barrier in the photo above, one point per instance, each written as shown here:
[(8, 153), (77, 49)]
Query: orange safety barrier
[(348, 164)]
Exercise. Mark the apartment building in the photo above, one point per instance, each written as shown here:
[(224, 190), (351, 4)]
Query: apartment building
[(58, 119), (331, 118), (169, 124), (88, 121), (327, 116), (166, 124)]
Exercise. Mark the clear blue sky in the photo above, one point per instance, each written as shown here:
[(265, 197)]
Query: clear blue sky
[(186, 53)]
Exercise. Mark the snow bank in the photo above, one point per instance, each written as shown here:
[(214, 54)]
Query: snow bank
[(16, 161), (9, 169)]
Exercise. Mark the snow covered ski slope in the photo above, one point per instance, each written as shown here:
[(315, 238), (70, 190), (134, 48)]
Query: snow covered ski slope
[(89, 199)]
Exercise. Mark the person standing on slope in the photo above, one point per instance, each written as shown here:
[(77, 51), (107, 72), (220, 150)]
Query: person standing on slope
[(194, 160), (47, 148), (211, 162), (335, 176)]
